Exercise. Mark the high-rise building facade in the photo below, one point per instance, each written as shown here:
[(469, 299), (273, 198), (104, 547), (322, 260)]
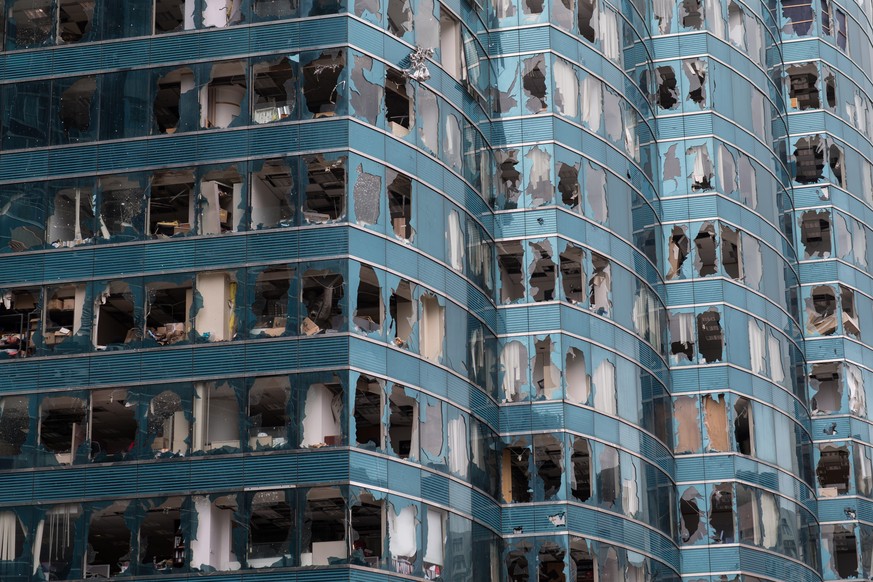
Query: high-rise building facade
[(462, 290)]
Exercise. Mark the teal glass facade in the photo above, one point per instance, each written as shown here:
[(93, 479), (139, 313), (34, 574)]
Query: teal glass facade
[(451, 290)]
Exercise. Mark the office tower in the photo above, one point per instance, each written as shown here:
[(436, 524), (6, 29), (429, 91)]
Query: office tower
[(308, 290)]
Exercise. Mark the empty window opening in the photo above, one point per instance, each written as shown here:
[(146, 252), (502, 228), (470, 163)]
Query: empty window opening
[(736, 25), (402, 423), (367, 530), (370, 308), (580, 479), (167, 424), (573, 274), (582, 560), (108, 542), (322, 416), (452, 55), (170, 17), (72, 222), (270, 304), (272, 196), (268, 412), (171, 203), (63, 313), (63, 426), (850, 316), (75, 108), (513, 364), (830, 87), (322, 85), (687, 417), (695, 70), (533, 79), (542, 271), (744, 434), (369, 395), (825, 380), (731, 253), (167, 312), (432, 329), (549, 463), (220, 201), (56, 536), (121, 203), (578, 381), (169, 105), (403, 313), (682, 337), (14, 426), (32, 21), (715, 421), (835, 160), (587, 19), (13, 536), (162, 543), (273, 90), (815, 234), (74, 19), (600, 285), (400, 203), (322, 293), (568, 185), (842, 548), (510, 260), (403, 545), (217, 525), (550, 562), (668, 87), (821, 308), (705, 241), (325, 190), (270, 530), (710, 335), (399, 17), (114, 316), (701, 168), (399, 104), (508, 177), (595, 193), (113, 425), (693, 525), (546, 375), (721, 514), (832, 471), (692, 16), (216, 417), (515, 475), (221, 100), (809, 160), (679, 247), (608, 477), (803, 86)]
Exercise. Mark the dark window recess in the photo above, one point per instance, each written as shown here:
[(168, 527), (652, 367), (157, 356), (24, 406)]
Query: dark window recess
[(161, 541), (542, 271), (517, 567), (803, 86), (399, 106), (402, 423), (568, 185), (368, 412), (400, 203), (402, 308), (809, 160), (825, 380), (113, 425), (815, 233), (710, 336), (830, 85), (171, 203), (693, 527), (678, 248), (74, 19), (115, 317), (109, 538), (515, 475), (721, 514), (534, 83), (510, 259), (573, 274), (75, 108), (169, 16), (705, 241), (322, 85), (692, 16), (800, 14), (668, 89), (325, 189), (821, 311), (833, 470), (835, 160), (549, 461), (370, 308), (550, 562), (321, 295), (580, 459), (587, 19), (842, 544), (731, 258), (743, 427)]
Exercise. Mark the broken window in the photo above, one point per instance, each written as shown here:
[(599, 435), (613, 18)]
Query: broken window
[(452, 56), (121, 206), (573, 274), (803, 86), (322, 416), (851, 325), (367, 530), (542, 271), (325, 198), (809, 160), (692, 524), (515, 473), (399, 103), (212, 548), (114, 316), (55, 537), (534, 83), (744, 435), (842, 548), (402, 423), (63, 314), (731, 254), (31, 23), (272, 196), (402, 307), (270, 304), (715, 421), (710, 335), (513, 363), (510, 261), (815, 233), (595, 192), (403, 545), (550, 562), (608, 477), (162, 543), (370, 308), (175, 101), (167, 424), (432, 328), (400, 203), (368, 413), (75, 109), (832, 471), (580, 478), (568, 185), (222, 98), (113, 425), (167, 311), (268, 412), (668, 87), (679, 247), (691, 14), (216, 417), (701, 168), (695, 70), (748, 515), (587, 19), (800, 16), (600, 285), (687, 417), (171, 203), (216, 318), (508, 178), (14, 427), (682, 337), (273, 90), (170, 16), (549, 463), (721, 514), (72, 220), (603, 381), (835, 160), (63, 427), (435, 552), (109, 542), (274, 9), (582, 561), (321, 293), (821, 308), (220, 201), (322, 83), (270, 530)]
